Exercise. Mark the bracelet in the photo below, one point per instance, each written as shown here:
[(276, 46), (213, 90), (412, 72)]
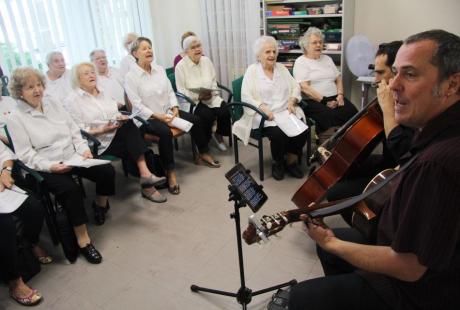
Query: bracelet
[(7, 168)]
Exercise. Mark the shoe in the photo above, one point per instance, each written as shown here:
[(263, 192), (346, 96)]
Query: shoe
[(174, 190), (153, 180), (220, 145), (154, 195), (211, 164), (278, 171), (99, 213), (45, 260), (33, 299), (294, 170), (91, 254)]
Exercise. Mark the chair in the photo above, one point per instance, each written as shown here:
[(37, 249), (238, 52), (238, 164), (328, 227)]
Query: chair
[(4, 91), (169, 70), (236, 112)]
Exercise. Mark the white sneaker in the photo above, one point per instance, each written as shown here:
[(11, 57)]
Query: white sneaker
[(220, 145)]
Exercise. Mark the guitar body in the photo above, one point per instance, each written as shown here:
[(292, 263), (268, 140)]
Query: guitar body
[(366, 212), (359, 139)]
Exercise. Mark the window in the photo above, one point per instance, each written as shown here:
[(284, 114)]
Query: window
[(29, 29)]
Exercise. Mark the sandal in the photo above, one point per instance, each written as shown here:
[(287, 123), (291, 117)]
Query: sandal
[(211, 164), (175, 190), (154, 196), (34, 298), (45, 260)]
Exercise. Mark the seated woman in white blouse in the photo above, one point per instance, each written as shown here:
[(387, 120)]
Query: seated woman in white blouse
[(321, 84), (193, 73), (57, 77), (44, 137), (128, 61), (152, 97), (97, 113), (270, 87)]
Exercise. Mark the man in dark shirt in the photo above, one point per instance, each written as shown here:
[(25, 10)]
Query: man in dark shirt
[(415, 263)]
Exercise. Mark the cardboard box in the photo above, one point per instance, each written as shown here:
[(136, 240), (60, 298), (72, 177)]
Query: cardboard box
[(281, 13)]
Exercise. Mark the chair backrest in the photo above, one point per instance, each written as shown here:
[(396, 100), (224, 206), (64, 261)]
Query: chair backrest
[(5, 81), (172, 79), (169, 70), (237, 112)]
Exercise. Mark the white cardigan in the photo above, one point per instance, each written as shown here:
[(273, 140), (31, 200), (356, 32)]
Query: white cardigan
[(251, 94)]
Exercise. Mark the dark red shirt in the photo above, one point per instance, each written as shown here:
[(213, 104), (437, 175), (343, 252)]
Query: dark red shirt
[(423, 218)]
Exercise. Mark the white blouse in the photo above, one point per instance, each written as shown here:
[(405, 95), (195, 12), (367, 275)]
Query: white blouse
[(7, 105), (5, 154), (43, 139), (60, 88), (321, 73), (149, 92), (126, 63), (112, 83), (274, 93), (190, 75), (90, 112)]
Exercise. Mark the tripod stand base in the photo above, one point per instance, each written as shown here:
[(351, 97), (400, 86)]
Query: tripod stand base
[(244, 294)]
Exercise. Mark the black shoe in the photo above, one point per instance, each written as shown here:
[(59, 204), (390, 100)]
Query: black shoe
[(99, 213), (278, 171), (294, 170), (91, 254)]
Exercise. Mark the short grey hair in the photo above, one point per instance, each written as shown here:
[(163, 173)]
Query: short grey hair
[(135, 45), (50, 56), (129, 39), (91, 55), (19, 78), (76, 73), (260, 42), (304, 40), (189, 41)]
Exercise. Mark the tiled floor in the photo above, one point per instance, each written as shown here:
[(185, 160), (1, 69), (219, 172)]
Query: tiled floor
[(154, 252)]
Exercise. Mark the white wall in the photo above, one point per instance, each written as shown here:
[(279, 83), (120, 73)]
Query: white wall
[(389, 20), (170, 19)]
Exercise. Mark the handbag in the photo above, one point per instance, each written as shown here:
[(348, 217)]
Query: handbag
[(66, 234)]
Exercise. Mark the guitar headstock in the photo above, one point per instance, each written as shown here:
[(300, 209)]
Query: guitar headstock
[(267, 225)]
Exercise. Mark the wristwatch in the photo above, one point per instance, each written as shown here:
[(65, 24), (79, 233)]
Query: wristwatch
[(7, 169)]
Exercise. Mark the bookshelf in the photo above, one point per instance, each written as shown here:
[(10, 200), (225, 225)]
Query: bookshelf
[(287, 20)]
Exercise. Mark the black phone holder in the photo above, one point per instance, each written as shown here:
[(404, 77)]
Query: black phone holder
[(244, 294)]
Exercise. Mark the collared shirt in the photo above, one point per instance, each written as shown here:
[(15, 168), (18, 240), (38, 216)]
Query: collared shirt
[(59, 88), (190, 75), (126, 63), (43, 139), (149, 92), (90, 112), (321, 73), (112, 83), (423, 218), (5, 154), (275, 93)]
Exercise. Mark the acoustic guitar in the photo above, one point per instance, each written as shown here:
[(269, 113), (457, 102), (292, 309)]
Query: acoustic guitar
[(366, 209)]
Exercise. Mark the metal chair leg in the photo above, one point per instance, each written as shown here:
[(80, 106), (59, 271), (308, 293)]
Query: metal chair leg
[(235, 148), (261, 158)]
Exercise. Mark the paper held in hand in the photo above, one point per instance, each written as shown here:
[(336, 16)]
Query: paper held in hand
[(202, 89), (181, 123), (289, 123), (78, 161), (11, 199)]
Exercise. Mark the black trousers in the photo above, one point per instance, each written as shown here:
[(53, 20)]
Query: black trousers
[(69, 194), (280, 144), (208, 115), (31, 215), (165, 145), (341, 288), (326, 117), (127, 143)]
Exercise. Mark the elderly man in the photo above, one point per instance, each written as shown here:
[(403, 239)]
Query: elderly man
[(415, 261), (108, 78), (57, 77)]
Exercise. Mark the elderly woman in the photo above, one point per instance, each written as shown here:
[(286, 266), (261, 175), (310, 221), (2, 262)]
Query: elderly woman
[(97, 113), (196, 78), (182, 54), (269, 86), (321, 85), (45, 137), (128, 61), (153, 99), (31, 214), (57, 77)]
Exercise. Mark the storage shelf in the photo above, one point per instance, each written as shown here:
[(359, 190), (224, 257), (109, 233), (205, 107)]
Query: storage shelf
[(298, 51), (304, 16)]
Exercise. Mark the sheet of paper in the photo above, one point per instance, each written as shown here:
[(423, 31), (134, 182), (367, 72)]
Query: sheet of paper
[(182, 124), (78, 161), (11, 199), (289, 123)]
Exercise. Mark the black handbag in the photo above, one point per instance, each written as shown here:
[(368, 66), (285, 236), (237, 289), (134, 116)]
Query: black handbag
[(66, 234)]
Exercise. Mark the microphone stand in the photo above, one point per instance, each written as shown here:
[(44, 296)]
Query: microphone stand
[(244, 294)]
